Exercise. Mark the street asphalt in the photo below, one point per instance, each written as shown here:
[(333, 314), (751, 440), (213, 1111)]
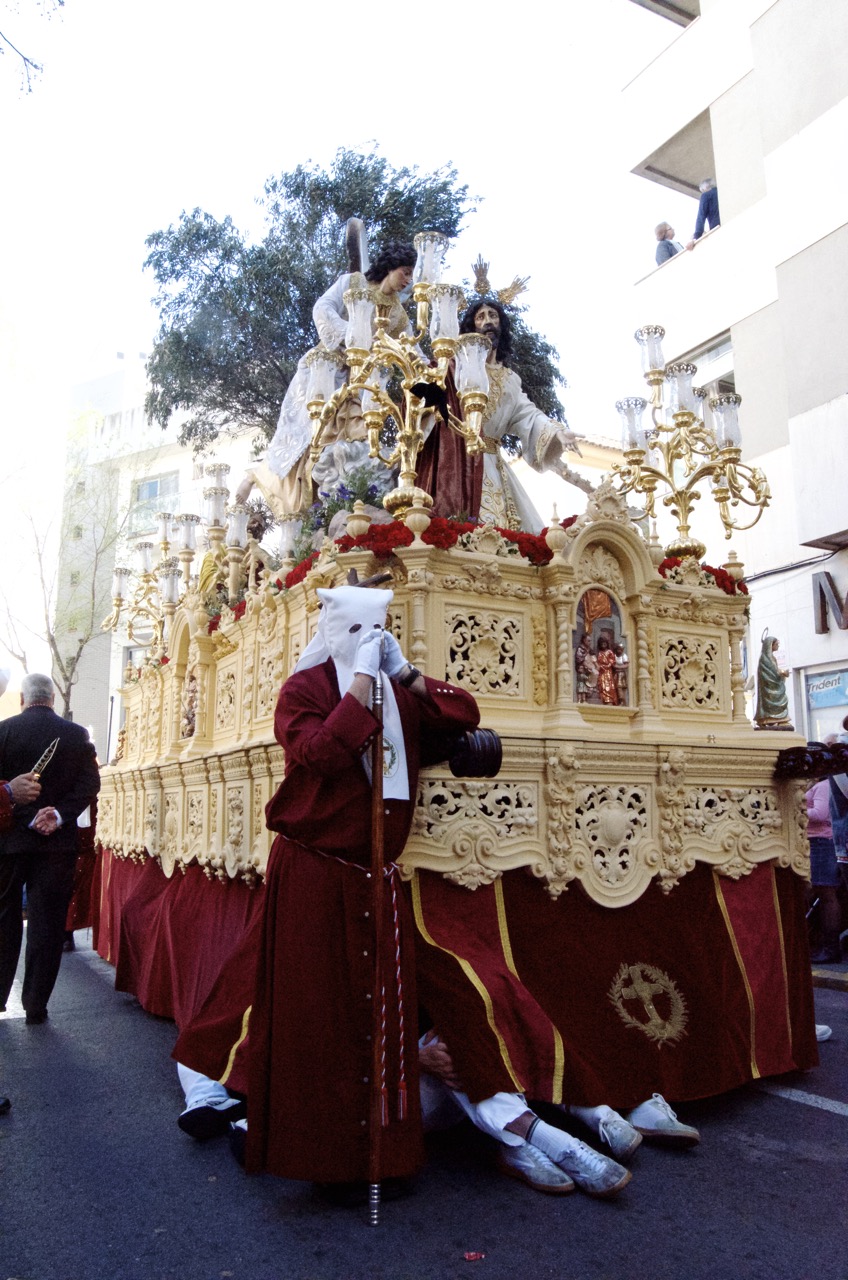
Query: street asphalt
[(98, 1183)]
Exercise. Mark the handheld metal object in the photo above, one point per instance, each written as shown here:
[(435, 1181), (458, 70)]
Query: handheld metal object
[(44, 759)]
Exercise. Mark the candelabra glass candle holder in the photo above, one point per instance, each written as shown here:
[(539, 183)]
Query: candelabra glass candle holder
[(677, 452)]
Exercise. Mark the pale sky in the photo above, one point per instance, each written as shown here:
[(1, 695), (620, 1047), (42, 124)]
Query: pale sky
[(147, 109)]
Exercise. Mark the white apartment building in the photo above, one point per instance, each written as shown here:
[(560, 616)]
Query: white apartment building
[(755, 94), (150, 472)]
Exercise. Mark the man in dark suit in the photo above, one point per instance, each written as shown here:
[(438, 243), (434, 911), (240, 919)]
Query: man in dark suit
[(39, 849)]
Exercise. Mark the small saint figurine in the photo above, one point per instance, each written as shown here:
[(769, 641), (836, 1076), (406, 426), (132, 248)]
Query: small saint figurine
[(772, 701), (607, 687), (581, 653)]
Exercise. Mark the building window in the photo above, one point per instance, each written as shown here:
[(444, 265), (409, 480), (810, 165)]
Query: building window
[(74, 578), (155, 494), (76, 533)]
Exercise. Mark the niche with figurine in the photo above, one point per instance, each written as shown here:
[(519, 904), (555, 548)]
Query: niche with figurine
[(601, 662)]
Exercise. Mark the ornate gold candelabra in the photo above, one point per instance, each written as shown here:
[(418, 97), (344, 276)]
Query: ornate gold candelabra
[(680, 454), (374, 359), (146, 606)]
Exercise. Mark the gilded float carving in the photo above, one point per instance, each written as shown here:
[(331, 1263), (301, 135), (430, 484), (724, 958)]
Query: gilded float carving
[(670, 776)]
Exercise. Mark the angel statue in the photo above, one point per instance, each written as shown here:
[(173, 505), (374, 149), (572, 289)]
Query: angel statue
[(283, 474)]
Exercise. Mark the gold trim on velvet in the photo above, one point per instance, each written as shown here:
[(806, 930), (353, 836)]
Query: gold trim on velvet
[(559, 1051), (104, 898), (777, 917), (242, 1037), (755, 1070), (470, 974), (504, 930)]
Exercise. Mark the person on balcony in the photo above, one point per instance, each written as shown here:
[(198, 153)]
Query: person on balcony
[(667, 246), (708, 214)]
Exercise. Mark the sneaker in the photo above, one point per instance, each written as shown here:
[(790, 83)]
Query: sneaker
[(595, 1174), (621, 1138), (530, 1165), (655, 1120), (823, 1031)]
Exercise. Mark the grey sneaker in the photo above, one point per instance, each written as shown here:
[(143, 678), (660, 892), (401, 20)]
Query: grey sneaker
[(530, 1165), (595, 1174), (621, 1138), (655, 1120), (823, 1031)]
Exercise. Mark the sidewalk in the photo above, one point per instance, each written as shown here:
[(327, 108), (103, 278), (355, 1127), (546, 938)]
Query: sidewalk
[(833, 977)]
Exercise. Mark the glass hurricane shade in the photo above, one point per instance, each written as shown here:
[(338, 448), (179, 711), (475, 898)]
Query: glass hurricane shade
[(144, 551), (120, 582), (187, 525), (431, 247), (237, 526), (217, 473), (444, 315), (681, 396), (650, 338), (379, 381), (215, 506), (725, 409), (169, 585), (632, 431), (163, 521), (472, 351), (322, 366), (359, 333)]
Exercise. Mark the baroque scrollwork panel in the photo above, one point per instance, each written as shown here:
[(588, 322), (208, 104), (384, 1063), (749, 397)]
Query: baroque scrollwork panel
[(734, 827), (477, 826), (690, 673), (485, 652)]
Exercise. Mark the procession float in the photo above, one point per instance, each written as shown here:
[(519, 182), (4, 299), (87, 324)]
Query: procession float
[(635, 869)]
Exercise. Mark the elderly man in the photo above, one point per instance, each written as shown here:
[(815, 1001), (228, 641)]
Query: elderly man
[(39, 849), (484, 486)]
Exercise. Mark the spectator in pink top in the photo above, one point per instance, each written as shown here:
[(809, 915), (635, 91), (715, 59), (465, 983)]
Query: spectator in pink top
[(824, 874)]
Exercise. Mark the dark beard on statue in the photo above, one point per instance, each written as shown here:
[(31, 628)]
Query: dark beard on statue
[(493, 333)]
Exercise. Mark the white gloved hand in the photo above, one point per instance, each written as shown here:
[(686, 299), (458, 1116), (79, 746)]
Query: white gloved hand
[(368, 654), (393, 660)]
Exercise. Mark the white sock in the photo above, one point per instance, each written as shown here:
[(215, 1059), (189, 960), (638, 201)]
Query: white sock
[(590, 1116), (554, 1142)]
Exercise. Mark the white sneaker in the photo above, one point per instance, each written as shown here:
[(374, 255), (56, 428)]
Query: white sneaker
[(621, 1138), (532, 1166), (655, 1120), (595, 1174), (823, 1032)]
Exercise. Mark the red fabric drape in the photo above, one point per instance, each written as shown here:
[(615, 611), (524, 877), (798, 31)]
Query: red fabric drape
[(169, 937), (689, 994)]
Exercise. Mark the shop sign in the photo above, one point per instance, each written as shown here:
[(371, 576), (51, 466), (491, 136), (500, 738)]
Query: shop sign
[(829, 689)]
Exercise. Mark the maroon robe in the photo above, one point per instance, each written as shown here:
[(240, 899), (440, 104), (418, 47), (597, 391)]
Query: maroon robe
[(311, 1023)]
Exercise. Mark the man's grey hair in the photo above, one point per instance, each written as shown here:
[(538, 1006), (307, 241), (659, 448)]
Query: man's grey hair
[(707, 184), (37, 688), (660, 229)]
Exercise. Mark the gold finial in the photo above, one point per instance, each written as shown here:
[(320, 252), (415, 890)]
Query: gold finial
[(481, 274), (511, 292)]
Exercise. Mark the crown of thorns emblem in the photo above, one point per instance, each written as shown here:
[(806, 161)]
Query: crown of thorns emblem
[(648, 1000)]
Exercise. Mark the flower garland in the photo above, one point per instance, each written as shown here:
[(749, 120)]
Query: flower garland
[(383, 539), (238, 612), (720, 577)]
